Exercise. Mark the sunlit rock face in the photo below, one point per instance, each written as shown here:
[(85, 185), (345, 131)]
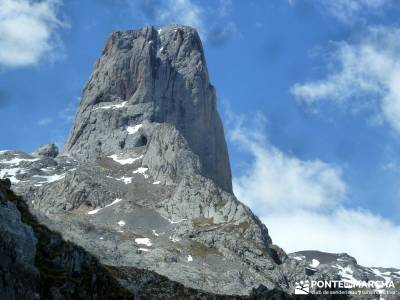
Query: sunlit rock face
[(152, 86)]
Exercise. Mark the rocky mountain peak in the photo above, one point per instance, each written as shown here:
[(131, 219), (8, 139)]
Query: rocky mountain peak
[(150, 88), (143, 186)]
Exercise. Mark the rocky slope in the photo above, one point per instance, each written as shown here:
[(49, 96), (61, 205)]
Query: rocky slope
[(144, 180), (36, 263)]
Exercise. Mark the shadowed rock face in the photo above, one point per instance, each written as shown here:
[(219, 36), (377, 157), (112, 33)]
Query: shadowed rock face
[(150, 77)]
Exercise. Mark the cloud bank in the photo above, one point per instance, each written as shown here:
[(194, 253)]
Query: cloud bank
[(28, 31), (213, 23), (367, 75), (348, 11), (303, 203)]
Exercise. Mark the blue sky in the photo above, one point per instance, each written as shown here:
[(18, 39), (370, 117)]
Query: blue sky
[(309, 92)]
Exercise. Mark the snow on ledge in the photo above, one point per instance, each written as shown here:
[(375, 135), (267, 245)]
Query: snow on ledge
[(50, 178), (143, 241), (176, 222), (16, 161), (133, 129), (142, 171), (314, 263), (174, 239), (11, 174), (112, 106), (298, 257), (125, 161), (95, 211), (144, 249), (114, 202), (126, 180)]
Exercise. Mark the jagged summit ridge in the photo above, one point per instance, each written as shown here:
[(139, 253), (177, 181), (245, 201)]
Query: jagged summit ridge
[(146, 78)]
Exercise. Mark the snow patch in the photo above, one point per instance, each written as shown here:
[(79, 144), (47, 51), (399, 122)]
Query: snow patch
[(314, 263), (385, 275), (189, 258), (133, 129), (142, 171), (114, 202), (159, 31), (156, 182), (346, 273), (113, 106), (155, 233), (121, 223), (144, 249), (298, 257), (11, 174), (143, 241), (50, 178), (95, 211), (176, 222), (126, 180), (16, 161), (174, 239), (125, 161)]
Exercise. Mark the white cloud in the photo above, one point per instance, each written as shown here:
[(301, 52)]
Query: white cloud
[(348, 11), (303, 204), (45, 121), (183, 12), (28, 31), (367, 75), (288, 181), (372, 240), (212, 22)]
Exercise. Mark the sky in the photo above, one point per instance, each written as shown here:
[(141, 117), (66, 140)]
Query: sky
[(308, 90)]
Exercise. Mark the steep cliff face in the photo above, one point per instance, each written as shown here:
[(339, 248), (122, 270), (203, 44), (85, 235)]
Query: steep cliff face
[(19, 277), (146, 78)]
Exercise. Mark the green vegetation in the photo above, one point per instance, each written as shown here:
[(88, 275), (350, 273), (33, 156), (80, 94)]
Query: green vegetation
[(202, 221), (200, 250)]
